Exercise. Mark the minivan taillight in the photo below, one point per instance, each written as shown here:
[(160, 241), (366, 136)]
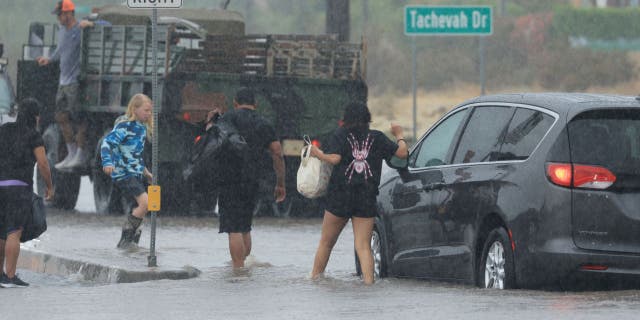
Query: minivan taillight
[(592, 177), (580, 176), (559, 173)]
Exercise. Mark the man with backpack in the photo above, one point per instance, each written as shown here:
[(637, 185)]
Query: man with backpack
[(239, 179)]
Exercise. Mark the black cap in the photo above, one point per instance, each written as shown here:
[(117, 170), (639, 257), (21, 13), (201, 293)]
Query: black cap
[(28, 110), (29, 106), (245, 96)]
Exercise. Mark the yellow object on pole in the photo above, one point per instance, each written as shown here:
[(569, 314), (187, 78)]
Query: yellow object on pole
[(154, 198)]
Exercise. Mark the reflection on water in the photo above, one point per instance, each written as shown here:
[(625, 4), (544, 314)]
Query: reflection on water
[(276, 279)]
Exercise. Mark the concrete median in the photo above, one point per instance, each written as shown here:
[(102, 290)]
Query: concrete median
[(51, 264)]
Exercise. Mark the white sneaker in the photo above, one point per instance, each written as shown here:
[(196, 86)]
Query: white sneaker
[(63, 164), (78, 160)]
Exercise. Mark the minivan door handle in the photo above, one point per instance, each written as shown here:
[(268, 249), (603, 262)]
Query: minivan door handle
[(434, 186)]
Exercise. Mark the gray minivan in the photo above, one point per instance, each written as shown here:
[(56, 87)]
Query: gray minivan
[(517, 190)]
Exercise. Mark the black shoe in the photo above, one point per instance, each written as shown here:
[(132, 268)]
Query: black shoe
[(14, 282), (127, 238)]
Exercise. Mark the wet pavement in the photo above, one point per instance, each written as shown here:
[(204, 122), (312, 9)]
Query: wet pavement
[(184, 247), (275, 284)]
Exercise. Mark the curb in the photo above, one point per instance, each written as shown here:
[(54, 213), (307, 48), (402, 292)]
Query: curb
[(50, 264)]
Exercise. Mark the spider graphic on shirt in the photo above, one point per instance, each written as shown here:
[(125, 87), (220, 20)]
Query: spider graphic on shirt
[(360, 152)]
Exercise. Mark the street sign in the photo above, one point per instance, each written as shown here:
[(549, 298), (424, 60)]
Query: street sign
[(150, 4), (449, 21), (154, 189)]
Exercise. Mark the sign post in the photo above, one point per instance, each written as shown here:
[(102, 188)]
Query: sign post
[(447, 21), (154, 189)]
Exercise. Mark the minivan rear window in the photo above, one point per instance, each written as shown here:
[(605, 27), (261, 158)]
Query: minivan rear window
[(609, 138)]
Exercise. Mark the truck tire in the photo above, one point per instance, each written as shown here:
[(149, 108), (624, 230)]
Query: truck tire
[(285, 208), (295, 205), (107, 198), (264, 203), (309, 208), (175, 199), (66, 184)]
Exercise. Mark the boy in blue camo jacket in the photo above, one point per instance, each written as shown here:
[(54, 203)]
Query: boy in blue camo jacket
[(121, 153)]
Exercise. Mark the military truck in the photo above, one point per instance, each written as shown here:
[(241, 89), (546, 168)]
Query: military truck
[(7, 98), (204, 56)]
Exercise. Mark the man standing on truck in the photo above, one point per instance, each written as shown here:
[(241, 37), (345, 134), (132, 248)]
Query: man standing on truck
[(238, 194), (67, 103)]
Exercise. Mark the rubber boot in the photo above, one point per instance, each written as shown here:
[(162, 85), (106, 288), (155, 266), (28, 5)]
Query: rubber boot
[(129, 229), (126, 239)]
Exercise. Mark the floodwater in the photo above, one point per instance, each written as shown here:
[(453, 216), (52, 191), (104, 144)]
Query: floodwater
[(276, 285)]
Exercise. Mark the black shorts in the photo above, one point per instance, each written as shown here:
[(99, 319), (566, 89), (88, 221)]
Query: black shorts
[(15, 208), (236, 203), (131, 186), (351, 201)]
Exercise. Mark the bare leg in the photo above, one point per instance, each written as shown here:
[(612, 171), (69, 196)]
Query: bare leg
[(62, 118), (12, 250), (331, 227), (237, 249), (362, 229), (246, 239), (141, 210), (81, 134), (2, 244)]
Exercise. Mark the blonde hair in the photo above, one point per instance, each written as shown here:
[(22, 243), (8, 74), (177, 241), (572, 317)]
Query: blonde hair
[(136, 102)]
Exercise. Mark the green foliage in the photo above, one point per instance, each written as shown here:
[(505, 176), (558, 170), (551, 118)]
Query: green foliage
[(524, 7), (441, 60), (609, 23), (577, 69)]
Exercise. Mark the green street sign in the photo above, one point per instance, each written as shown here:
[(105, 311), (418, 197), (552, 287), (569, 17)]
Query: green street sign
[(448, 21)]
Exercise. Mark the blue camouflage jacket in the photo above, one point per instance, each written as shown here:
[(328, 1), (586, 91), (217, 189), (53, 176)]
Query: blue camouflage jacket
[(122, 149)]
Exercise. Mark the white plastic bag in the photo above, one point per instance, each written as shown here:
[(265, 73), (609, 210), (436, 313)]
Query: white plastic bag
[(313, 175)]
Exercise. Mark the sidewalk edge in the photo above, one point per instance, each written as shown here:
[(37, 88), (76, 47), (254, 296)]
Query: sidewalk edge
[(50, 264)]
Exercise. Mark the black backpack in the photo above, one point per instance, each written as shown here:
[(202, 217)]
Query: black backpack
[(219, 157)]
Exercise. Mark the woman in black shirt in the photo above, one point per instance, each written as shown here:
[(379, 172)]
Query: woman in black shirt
[(357, 153), (21, 147)]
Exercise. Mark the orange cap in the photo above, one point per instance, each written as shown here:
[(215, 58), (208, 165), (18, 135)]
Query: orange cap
[(63, 6)]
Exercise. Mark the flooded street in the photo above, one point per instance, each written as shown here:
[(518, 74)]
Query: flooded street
[(275, 283)]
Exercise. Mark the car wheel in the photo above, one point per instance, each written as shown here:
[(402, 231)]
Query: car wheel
[(107, 198), (496, 269), (66, 185), (377, 250)]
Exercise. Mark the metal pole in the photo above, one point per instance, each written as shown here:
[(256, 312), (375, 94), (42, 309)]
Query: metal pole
[(152, 259), (482, 65), (415, 86)]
